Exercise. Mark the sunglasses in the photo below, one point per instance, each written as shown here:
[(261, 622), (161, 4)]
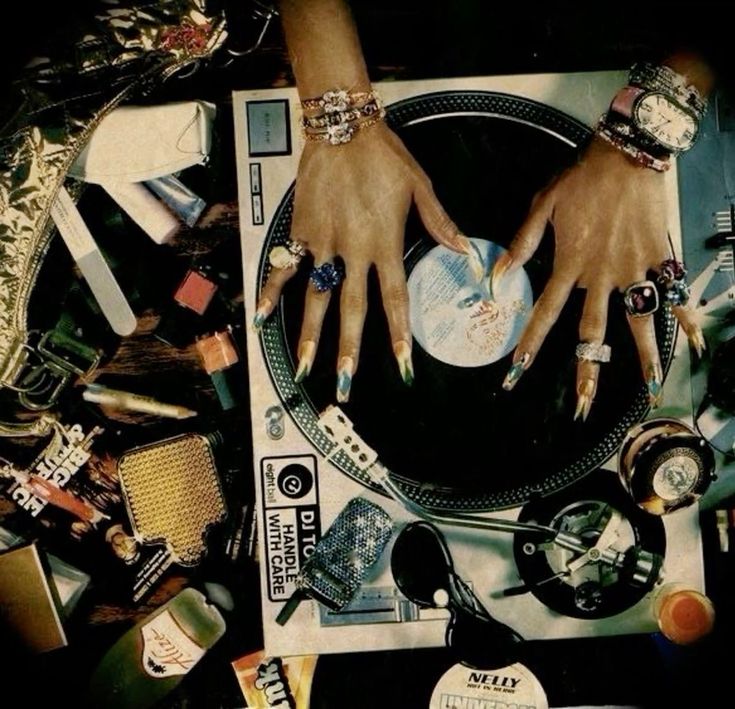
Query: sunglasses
[(424, 573)]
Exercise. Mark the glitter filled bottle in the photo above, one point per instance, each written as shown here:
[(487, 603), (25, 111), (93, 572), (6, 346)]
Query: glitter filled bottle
[(154, 656)]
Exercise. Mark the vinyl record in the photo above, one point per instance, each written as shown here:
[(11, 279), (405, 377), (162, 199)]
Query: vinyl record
[(455, 439)]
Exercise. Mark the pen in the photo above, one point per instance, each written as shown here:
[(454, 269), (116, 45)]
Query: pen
[(127, 401)]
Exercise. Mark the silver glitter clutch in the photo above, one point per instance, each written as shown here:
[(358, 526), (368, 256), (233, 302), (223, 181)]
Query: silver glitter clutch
[(341, 560)]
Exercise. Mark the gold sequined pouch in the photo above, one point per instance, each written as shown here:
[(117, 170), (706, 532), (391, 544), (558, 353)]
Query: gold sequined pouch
[(173, 495)]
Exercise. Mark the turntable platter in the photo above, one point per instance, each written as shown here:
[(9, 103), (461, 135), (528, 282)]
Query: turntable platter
[(455, 439)]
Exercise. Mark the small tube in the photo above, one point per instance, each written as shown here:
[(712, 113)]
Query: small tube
[(178, 197)]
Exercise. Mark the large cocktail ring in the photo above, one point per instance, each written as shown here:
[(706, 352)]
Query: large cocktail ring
[(641, 299), (327, 276)]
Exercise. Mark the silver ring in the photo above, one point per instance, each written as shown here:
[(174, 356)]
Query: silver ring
[(593, 352)]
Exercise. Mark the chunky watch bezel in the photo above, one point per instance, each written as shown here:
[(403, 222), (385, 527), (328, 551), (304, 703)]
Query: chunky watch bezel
[(681, 144), (664, 79)]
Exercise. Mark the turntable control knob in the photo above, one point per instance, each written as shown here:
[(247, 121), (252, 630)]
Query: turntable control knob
[(588, 596), (441, 598)]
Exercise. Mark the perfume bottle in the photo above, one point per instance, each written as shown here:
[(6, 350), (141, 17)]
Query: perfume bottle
[(154, 656)]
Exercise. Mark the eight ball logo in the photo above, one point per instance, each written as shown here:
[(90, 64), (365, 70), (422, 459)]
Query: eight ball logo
[(295, 481)]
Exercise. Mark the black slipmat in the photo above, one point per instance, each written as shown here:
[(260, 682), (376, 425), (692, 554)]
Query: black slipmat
[(455, 439)]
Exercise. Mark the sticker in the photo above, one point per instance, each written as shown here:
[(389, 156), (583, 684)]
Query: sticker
[(269, 131), (456, 319), (510, 687), (291, 522), (167, 649), (676, 476)]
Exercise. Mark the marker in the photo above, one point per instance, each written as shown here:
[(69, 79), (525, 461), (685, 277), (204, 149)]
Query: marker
[(127, 401)]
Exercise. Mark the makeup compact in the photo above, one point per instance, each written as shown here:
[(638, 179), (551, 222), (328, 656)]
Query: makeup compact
[(192, 298), (684, 615)]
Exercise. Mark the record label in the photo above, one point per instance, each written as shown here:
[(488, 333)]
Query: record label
[(459, 320), (514, 686)]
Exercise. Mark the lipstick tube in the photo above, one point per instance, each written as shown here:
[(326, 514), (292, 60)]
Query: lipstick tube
[(151, 215)]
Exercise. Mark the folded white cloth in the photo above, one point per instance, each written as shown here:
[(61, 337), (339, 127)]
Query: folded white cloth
[(136, 143)]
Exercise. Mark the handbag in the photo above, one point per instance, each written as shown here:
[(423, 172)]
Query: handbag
[(126, 49)]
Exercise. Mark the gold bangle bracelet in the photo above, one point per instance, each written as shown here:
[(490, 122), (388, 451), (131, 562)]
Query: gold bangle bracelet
[(337, 100), (343, 132)]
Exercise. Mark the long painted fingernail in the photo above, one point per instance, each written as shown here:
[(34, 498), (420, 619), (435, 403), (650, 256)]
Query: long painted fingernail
[(499, 269), (462, 243), (654, 383), (516, 371), (584, 399), (697, 341), (402, 351), (261, 313), (344, 378), (476, 263), (306, 360)]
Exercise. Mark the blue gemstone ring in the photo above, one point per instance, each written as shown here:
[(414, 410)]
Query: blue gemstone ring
[(327, 276)]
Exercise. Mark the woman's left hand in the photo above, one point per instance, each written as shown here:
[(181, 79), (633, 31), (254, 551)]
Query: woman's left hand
[(610, 226)]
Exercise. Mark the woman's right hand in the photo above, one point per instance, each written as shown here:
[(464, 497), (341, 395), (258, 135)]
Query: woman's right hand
[(351, 205)]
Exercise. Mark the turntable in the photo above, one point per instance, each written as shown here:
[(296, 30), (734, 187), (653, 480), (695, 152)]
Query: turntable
[(455, 442)]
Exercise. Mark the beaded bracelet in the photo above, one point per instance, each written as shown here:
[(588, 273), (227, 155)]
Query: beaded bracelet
[(637, 154), (370, 108)]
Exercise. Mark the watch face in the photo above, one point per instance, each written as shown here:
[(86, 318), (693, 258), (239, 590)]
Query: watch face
[(669, 124)]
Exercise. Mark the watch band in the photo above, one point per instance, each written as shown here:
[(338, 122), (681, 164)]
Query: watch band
[(638, 155), (625, 98)]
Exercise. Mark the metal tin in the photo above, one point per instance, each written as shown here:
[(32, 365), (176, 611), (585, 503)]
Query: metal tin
[(665, 465)]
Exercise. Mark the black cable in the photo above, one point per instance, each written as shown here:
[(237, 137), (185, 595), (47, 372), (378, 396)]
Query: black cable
[(706, 402)]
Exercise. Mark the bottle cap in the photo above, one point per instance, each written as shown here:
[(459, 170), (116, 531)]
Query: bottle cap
[(683, 614)]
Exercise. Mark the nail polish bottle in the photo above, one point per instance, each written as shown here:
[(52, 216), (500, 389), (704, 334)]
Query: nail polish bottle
[(154, 656), (218, 355)]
